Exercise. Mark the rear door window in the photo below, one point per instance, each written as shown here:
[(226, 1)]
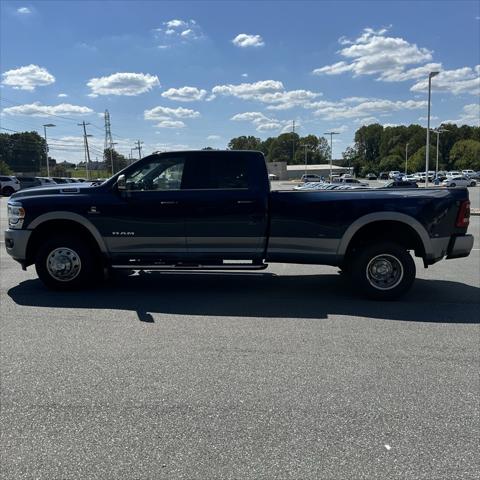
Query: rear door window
[(225, 172)]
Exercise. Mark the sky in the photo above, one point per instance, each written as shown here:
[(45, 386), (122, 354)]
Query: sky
[(187, 75)]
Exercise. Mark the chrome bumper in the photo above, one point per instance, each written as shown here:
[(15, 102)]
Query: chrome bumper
[(460, 246), (16, 243)]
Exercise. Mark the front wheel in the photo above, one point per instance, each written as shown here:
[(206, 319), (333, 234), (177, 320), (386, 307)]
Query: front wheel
[(384, 271), (453, 185), (66, 263), (7, 191), (473, 184)]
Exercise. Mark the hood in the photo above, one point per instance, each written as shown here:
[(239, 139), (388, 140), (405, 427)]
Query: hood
[(61, 189)]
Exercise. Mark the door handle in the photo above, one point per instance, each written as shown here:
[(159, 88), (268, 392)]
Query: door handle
[(169, 202), (245, 202)]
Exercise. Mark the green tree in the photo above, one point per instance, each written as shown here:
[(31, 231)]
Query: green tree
[(318, 150), (23, 152), (367, 142), (416, 163), (465, 154), (392, 162), (281, 148), (5, 169), (119, 161), (245, 143)]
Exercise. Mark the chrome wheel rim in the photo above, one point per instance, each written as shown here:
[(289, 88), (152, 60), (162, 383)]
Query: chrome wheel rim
[(384, 272), (64, 264)]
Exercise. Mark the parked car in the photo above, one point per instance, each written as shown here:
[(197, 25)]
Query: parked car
[(454, 173), (459, 182), (222, 208), (394, 173), (310, 177), (383, 176), (9, 185), (350, 181), (28, 182), (371, 176), (468, 173), (410, 178), (400, 184), (272, 176), (60, 180), (46, 181)]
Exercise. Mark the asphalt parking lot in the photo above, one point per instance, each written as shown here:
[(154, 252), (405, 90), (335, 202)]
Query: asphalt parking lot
[(285, 374)]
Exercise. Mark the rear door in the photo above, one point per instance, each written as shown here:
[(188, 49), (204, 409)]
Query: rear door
[(226, 205)]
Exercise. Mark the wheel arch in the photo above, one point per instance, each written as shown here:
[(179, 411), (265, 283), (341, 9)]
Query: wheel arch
[(413, 231), (64, 222)]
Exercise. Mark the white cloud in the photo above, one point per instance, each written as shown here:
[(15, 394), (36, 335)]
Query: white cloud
[(244, 40), (260, 121), (270, 92), (27, 78), (374, 53), (165, 113), (169, 117), (124, 83), (38, 110), (214, 137), (170, 124), (62, 95), (249, 91), (461, 80), (365, 108), (175, 23), (366, 120), (411, 74), (177, 30), (470, 115), (24, 10), (244, 75), (185, 94)]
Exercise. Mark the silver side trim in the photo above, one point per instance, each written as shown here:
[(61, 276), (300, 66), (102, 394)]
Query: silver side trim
[(379, 216), (75, 217), (133, 244), (303, 245)]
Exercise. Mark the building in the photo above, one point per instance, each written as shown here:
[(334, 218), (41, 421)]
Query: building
[(295, 172)]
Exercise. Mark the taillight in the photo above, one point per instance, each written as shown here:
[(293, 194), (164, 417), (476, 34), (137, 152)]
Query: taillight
[(463, 217)]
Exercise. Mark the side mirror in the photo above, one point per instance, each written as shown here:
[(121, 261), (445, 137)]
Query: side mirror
[(121, 183)]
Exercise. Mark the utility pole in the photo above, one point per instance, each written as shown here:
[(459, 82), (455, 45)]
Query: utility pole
[(306, 157), (331, 150), (406, 157), (138, 147), (427, 147), (293, 142), (87, 151), (46, 145)]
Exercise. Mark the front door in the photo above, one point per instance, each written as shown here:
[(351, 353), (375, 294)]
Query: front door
[(147, 218)]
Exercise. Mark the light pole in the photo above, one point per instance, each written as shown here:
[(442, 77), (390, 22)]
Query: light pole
[(111, 155), (331, 150), (406, 157), (438, 131), (46, 144), (306, 158), (427, 149)]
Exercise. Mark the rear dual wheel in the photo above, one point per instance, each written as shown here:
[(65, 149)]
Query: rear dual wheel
[(384, 271)]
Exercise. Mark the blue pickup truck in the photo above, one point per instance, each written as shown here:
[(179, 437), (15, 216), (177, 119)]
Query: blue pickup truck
[(214, 210)]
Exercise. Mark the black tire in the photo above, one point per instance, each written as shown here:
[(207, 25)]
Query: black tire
[(472, 184), (453, 185), (7, 191), (383, 271), (81, 267)]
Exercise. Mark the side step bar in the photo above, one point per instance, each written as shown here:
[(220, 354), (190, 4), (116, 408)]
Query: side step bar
[(226, 266)]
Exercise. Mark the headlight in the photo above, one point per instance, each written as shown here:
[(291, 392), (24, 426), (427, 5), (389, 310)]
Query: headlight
[(16, 215)]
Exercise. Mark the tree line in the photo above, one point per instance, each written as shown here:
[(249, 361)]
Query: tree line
[(376, 148)]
